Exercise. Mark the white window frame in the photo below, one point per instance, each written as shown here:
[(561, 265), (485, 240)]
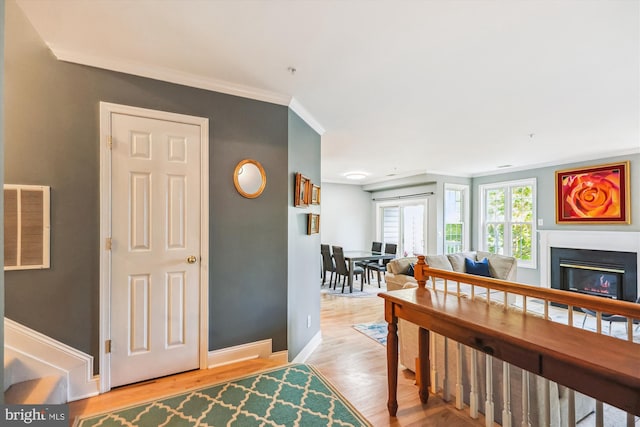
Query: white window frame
[(507, 185), (466, 215), (400, 204)]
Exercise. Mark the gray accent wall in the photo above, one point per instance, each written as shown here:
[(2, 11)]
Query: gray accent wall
[(545, 179), (2, 198), (52, 131), (304, 250)]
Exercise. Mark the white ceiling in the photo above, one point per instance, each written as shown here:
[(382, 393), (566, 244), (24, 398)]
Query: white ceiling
[(399, 87)]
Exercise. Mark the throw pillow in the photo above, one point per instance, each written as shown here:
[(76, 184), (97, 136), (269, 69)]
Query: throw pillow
[(410, 271), (479, 268)]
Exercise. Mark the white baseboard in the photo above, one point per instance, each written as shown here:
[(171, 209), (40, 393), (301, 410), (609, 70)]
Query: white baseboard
[(76, 365), (309, 348), (280, 356), (238, 353)]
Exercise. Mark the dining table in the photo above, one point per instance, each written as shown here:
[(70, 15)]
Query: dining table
[(354, 256)]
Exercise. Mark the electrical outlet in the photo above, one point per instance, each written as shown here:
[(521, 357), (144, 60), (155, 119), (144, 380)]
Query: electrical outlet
[(309, 321), (540, 222)]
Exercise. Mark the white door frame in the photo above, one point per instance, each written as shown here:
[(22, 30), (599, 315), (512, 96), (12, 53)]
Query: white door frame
[(106, 110)]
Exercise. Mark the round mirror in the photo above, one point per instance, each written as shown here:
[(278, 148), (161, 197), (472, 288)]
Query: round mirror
[(249, 178)]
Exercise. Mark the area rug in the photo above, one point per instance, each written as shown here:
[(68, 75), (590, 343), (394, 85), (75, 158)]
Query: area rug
[(367, 291), (294, 395), (374, 330)]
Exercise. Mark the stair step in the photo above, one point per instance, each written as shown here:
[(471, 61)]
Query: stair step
[(45, 390)]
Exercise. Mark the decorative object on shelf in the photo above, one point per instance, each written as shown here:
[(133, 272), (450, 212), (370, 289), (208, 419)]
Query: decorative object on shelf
[(315, 194), (313, 223), (301, 196), (249, 178), (593, 195), (27, 227)]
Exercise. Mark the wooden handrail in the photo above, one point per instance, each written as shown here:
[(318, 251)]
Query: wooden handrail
[(422, 272)]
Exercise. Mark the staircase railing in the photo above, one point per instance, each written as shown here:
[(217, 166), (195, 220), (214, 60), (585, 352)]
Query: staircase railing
[(553, 305)]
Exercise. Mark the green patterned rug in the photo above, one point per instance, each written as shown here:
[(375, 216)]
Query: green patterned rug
[(294, 395)]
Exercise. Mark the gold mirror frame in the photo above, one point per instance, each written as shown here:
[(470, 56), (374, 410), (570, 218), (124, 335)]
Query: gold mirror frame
[(239, 186)]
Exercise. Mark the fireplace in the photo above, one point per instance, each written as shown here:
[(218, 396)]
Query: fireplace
[(610, 274)]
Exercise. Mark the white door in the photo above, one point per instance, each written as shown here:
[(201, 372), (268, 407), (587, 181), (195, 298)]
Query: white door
[(155, 252)]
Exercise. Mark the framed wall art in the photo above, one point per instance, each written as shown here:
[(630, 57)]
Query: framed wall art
[(593, 195), (313, 223), (27, 227), (315, 194), (301, 196)]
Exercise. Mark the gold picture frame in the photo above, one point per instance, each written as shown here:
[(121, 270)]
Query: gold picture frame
[(313, 223), (594, 194), (315, 194), (301, 195)]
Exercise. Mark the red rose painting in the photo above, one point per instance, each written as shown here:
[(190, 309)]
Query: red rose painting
[(593, 195)]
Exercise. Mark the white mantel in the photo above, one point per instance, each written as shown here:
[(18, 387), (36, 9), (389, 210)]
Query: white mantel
[(623, 241)]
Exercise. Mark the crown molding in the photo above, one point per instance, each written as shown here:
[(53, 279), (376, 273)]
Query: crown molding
[(302, 112), (177, 77), (187, 79)]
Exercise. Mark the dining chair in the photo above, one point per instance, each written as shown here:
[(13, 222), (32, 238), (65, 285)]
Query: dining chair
[(390, 249), (375, 247), (343, 270), (327, 264)]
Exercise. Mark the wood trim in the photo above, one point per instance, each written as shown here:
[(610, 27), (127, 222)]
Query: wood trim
[(239, 353), (594, 364), (624, 308)]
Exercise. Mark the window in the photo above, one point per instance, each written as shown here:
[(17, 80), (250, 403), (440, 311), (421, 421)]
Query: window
[(403, 224), (456, 218), (508, 213)]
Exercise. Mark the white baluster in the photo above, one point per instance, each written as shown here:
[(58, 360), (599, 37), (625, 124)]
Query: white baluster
[(488, 404), (506, 392), (526, 420), (459, 386), (473, 394), (446, 393)]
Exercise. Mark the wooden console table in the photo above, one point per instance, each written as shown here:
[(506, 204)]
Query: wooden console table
[(600, 366)]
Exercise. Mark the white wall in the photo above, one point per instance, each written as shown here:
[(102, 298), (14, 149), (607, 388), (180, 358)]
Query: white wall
[(346, 216)]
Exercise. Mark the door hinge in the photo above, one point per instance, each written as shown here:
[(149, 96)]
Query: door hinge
[(107, 346), (109, 142), (108, 243)]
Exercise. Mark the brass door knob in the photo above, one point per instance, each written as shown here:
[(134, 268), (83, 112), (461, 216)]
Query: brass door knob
[(191, 259)]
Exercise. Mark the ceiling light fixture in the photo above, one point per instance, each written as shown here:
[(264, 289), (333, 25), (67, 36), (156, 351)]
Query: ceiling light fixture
[(355, 175)]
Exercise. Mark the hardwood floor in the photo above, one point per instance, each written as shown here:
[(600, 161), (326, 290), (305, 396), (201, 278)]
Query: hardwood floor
[(353, 362), (357, 366)]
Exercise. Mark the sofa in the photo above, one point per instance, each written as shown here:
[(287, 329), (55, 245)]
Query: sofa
[(500, 267)]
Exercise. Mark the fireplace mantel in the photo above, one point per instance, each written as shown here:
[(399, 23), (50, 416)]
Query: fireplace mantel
[(624, 241)]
